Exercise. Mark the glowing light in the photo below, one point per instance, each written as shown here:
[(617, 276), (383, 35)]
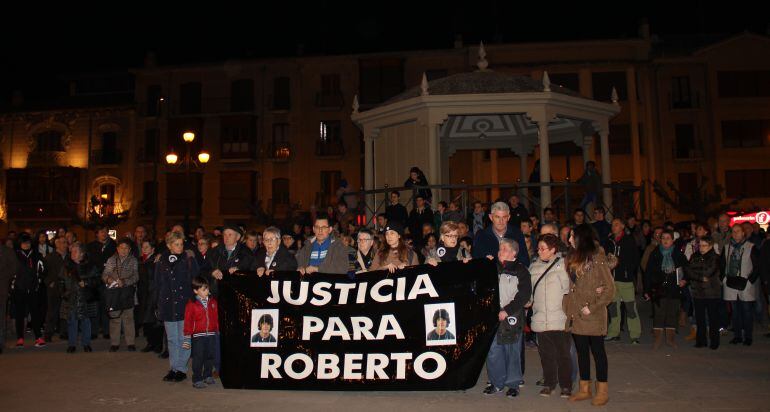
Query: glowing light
[(188, 137), (203, 157), (171, 158)]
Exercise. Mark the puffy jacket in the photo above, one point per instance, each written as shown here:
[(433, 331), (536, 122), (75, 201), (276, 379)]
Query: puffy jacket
[(200, 320), (547, 311), (173, 284), (30, 271), (704, 266)]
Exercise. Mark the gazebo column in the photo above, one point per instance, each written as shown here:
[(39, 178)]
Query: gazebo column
[(369, 173), (545, 164), (494, 173), (588, 143), (523, 169), (606, 176)]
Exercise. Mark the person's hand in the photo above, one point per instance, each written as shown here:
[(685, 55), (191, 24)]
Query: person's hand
[(466, 260), (502, 315), (82, 284), (232, 270), (682, 283), (391, 268), (599, 290), (269, 272), (311, 269), (120, 283), (217, 274), (301, 270), (646, 296), (528, 305), (260, 272), (186, 345), (585, 311), (490, 257), (431, 261), (401, 266)]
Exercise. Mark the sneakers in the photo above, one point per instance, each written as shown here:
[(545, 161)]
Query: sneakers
[(19, 343), (199, 385), (565, 393), (512, 393), (492, 390), (169, 376), (634, 341), (39, 343), (546, 392), (612, 339), (210, 381), (541, 382)]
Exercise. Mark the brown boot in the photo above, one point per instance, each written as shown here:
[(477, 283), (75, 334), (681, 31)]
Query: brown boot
[(583, 393), (670, 335), (692, 335), (602, 394), (658, 338)]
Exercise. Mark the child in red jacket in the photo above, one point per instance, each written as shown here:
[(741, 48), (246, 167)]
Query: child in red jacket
[(201, 327)]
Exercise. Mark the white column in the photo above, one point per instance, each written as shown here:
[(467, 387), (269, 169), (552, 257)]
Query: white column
[(606, 176), (588, 145), (545, 164), (523, 177)]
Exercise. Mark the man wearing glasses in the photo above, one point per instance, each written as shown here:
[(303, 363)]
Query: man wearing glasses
[(325, 253)]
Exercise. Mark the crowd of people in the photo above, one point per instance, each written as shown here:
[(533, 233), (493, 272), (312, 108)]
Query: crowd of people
[(575, 285)]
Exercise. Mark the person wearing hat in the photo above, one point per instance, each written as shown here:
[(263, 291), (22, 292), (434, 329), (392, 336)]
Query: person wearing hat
[(394, 253), (230, 256), (26, 290), (324, 254)]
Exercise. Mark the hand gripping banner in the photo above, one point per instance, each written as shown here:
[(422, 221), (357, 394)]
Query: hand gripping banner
[(422, 328)]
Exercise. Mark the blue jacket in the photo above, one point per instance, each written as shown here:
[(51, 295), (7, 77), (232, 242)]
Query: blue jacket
[(485, 243), (173, 284)]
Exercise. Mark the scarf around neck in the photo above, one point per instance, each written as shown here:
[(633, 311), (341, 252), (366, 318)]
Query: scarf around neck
[(667, 265), (736, 254)]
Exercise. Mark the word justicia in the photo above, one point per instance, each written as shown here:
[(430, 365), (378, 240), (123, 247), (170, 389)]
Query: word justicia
[(323, 293)]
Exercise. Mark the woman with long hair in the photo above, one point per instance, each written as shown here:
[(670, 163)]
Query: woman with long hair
[(591, 290), (394, 253)]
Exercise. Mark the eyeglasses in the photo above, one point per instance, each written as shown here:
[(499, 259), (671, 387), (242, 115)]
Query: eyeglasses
[(270, 239), (364, 239)]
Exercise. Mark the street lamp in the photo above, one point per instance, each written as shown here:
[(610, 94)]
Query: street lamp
[(188, 162)]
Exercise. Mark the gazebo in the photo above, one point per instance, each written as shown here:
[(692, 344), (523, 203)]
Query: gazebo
[(482, 109)]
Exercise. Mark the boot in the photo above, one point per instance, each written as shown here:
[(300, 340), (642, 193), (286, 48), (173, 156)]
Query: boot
[(658, 338), (692, 334), (584, 392), (602, 394), (670, 336)]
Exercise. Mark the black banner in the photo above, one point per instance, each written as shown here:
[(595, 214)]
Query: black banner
[(422, 328)]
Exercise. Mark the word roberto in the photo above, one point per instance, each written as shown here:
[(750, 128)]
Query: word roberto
[(385, 290), (355, 366)]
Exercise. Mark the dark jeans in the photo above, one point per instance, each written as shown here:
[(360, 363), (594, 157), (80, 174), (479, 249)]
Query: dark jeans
[(73, 323), (666, 313), (743, 319), (52, 313), (27, 303), (701, 308), (594, 345), (203, 356), (554, 348)]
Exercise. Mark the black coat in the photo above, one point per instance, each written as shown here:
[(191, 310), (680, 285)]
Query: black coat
[(145, 292), (628, 258), (416, 220), (30, 271), (705, 266), (397, 213), (658, 284), (173, 284), (241, 258), (485, 243), (98, 253), (283, 260), (83, 299)]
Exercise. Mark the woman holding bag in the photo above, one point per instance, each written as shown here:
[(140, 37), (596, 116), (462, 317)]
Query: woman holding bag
[(121, 273)]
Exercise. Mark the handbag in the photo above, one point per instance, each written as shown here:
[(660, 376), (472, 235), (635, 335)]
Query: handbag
[(119, 298), (736, 282)]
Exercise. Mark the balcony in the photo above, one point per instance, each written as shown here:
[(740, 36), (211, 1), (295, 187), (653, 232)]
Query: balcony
[(278, 152), (329, 149), (106, 157), (329, 100)]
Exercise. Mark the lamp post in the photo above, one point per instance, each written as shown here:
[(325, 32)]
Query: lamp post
[(188, 162)]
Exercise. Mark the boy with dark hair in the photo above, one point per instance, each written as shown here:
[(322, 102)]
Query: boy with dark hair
[(201, 327)]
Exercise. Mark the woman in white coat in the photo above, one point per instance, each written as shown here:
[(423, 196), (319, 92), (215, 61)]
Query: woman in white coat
[(740, 263), (550, 283)]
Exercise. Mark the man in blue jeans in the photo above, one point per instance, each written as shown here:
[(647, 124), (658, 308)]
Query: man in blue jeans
[(504, 358)]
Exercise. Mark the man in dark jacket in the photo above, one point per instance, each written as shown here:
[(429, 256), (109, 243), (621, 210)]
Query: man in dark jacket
[(395, 211), (98, 252), (55, 267), (519, 213), (487, 241), (229, 257), (419, 216), (8, 265), (624, 248), (30, 271), (515, 290), (602, 227)]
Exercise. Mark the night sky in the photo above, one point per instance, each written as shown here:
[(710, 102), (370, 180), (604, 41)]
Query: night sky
[(37, 53)]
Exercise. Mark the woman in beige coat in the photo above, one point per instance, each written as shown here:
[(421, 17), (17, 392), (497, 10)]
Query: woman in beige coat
[(394, 253), (591, 290)]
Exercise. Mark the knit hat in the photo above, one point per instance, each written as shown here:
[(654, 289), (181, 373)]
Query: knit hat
[(396, 227)]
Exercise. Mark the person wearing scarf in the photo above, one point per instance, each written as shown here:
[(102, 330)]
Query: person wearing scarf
[(741, 259), (663, 282), (448, 249)]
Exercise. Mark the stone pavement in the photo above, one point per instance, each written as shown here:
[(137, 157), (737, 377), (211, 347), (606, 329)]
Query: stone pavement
[(733, 378)]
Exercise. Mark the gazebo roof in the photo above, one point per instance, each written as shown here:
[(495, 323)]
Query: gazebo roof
[(479, 82)]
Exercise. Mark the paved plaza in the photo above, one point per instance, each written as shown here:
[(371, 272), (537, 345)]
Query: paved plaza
[(733, 378)]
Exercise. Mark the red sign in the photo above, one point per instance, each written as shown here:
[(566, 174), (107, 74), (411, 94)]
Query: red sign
[(762, 218)]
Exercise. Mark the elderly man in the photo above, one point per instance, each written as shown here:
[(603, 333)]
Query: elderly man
[(487, 241), (324, 254), (230, 256)]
